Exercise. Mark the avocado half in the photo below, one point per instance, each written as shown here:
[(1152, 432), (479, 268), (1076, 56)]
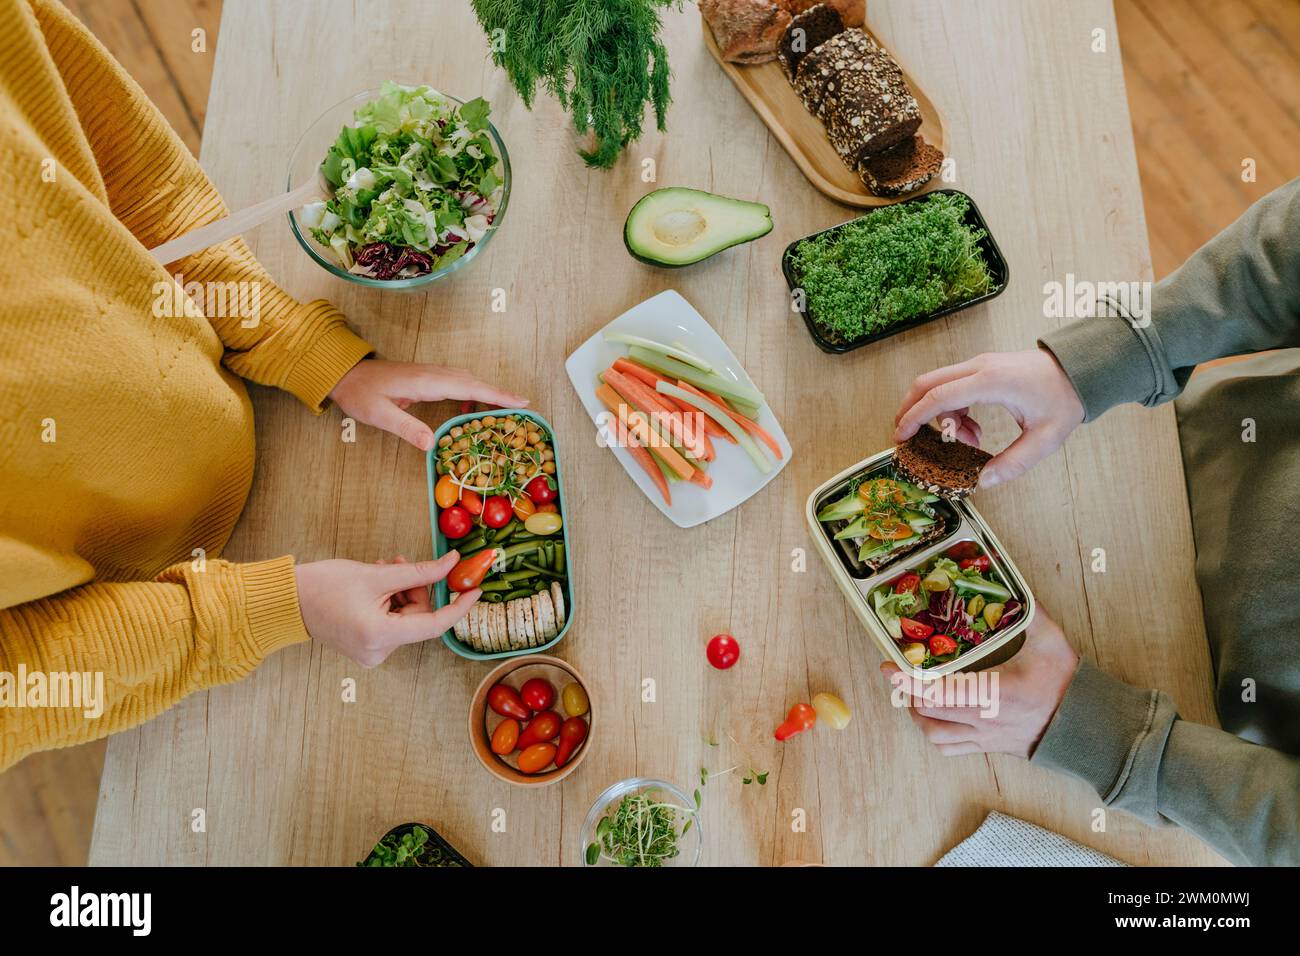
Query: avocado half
[(677, 226)]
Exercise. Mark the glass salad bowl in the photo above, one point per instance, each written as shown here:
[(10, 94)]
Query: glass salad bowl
[(304, 166), (689, 837)]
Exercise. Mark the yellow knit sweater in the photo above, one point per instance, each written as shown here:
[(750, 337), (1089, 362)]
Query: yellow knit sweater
[(126, 437)]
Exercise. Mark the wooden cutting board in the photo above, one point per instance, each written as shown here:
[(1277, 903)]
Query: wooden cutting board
[(773, 97)]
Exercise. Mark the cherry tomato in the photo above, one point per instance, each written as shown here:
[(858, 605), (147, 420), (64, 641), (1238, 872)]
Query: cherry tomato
[(572, 733), (455, 522), (541, 490), (543, 523), (575, 700), (505, 737), (446, 491), (942, 644), (497, 511), (471, 571), (523, 507), (548, 509), (541, 728), (831, 710), (535, 758), (537, 693), (914, 630), (504, 699), (908, 583), (980, 564), (471, 502), (963, 549), (801, 717), (723, 651)]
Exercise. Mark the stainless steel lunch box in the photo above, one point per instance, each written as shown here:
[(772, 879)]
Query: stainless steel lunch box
[(968, 524)]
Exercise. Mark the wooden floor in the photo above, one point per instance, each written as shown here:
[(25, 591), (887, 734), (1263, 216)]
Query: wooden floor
[(1212, 84)]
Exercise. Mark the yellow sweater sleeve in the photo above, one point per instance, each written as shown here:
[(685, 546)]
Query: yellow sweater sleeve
[(145, 644), (158, 191)]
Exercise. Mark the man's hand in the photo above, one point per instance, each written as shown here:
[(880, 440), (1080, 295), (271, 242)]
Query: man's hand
[(378, 393), (1030, 688), (367, 611), (1031, 385)]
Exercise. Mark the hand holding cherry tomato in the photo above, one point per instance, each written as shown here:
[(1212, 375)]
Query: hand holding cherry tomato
[(471, 571)]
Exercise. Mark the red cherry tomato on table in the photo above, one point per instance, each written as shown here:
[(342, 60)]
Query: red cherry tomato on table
[(541, 728), (505, 737), (471, 571), (455, 522), (535, 758), (572, 733), (497, 511), (504, 699), (908, 583), (541, 491), (723, 651), (980, 564), (801, 717), (942, 644), (914, 630), (537, 693)]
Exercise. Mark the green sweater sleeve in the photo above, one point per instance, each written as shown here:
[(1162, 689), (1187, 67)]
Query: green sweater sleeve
[(1239, 293), (1131, 747)]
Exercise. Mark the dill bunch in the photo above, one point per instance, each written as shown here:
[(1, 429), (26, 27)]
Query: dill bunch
[(602, 59)]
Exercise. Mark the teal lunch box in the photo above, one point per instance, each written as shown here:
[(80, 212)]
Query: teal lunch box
[(440, 545)]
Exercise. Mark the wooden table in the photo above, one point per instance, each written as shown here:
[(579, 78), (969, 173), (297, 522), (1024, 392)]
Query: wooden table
[(286, 773)]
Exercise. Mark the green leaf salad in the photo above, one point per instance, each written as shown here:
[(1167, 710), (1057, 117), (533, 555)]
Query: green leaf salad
[(417, 183)]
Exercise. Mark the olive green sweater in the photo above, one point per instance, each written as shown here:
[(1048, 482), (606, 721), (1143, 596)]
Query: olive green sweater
[(1239, 423)]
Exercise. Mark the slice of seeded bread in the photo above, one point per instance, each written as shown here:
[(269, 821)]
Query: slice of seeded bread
[(901, 169), (805, 33), (948, 468)]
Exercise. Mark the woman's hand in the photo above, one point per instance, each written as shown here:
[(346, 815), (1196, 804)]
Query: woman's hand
[(1031, 385), (1029, 689), (378, 393), (367, 611)]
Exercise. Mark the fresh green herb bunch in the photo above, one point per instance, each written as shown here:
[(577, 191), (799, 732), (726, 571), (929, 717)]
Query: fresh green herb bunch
[(893, 264), (641, 831), (602, 59), (412, 848)]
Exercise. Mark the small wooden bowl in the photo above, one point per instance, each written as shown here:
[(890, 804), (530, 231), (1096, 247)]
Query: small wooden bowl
[(483, 720)]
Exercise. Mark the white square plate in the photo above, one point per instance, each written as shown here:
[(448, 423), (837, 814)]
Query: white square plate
[(669, 318)]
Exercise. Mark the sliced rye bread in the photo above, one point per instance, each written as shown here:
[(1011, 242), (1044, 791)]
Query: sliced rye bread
[(821, 69), (948, 468), (872, 109), (901, 169), (807, 32)]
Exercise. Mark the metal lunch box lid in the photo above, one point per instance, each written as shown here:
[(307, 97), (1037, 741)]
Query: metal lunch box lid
[(857, 590)]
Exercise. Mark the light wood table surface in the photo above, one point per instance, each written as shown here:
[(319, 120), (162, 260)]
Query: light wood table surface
[(286, 773)]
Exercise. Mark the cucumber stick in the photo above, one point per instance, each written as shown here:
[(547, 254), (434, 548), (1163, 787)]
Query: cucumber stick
[(670, 351), (988, 588), (708, 381), (722, 418)]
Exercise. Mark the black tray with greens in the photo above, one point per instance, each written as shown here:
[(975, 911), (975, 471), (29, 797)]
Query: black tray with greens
[(919, 263), (414, 844)]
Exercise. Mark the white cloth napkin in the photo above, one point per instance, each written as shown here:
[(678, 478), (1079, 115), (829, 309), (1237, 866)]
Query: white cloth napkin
[(1006, 841)]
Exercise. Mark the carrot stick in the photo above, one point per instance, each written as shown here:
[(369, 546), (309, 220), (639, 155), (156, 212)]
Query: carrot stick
[(636, 423), (701, 479), (652, 378), (639, 454), (750, 426), (645, 398)]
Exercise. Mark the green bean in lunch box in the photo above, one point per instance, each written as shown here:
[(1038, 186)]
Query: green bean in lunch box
[(496, 497)]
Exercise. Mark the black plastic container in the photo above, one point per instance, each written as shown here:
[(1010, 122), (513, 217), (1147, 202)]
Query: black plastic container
[(435, 838), (998, 271)]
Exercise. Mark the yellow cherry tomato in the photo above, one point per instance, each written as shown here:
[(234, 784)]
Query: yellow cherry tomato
[(574, 699), (914, 654), (446, 492), (543, 522), (831, 710)]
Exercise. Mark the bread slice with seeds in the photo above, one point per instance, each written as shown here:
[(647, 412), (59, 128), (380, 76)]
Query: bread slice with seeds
[(940, 466)]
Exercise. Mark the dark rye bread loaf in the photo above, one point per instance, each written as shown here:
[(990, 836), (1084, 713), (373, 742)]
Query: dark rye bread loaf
[(805, 33), (948, 468), (870, 109), (820, 70), (901, 169)]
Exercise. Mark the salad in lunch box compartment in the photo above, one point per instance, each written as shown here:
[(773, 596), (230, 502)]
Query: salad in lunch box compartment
[(951, 603)]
